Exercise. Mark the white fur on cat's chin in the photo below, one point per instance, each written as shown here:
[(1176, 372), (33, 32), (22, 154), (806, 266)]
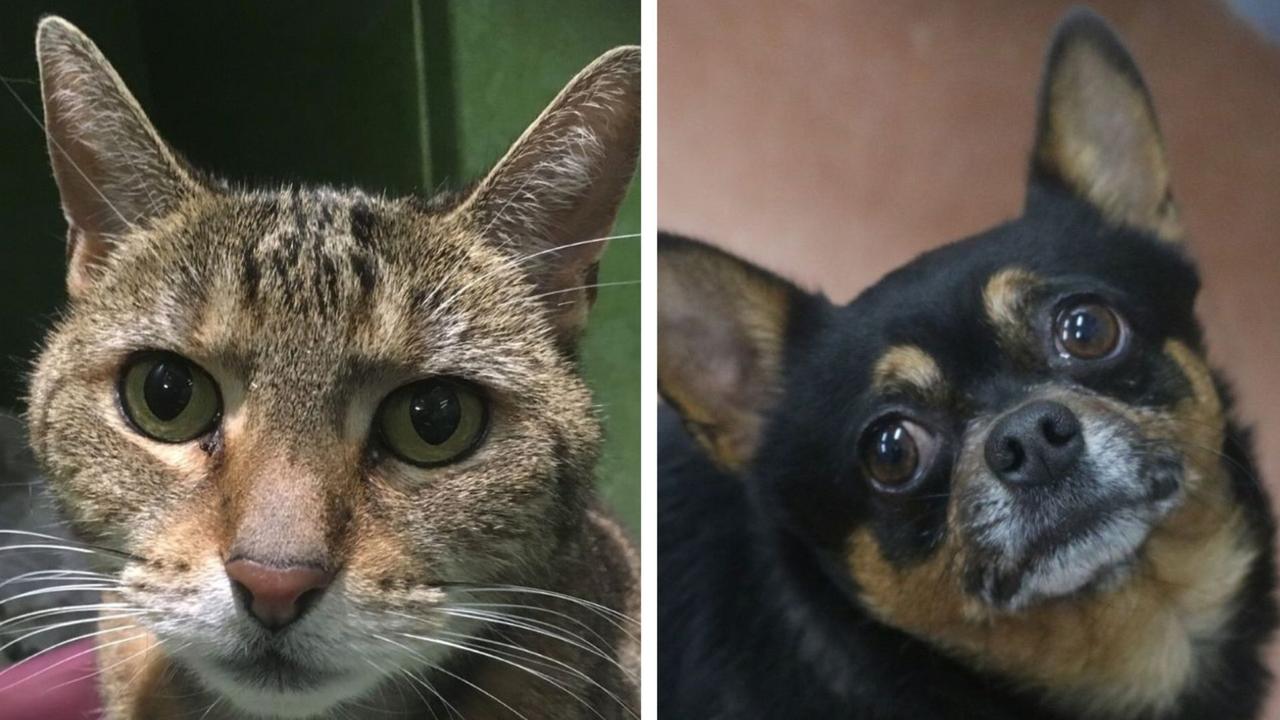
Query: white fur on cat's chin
[(335, 639), (265, 704)]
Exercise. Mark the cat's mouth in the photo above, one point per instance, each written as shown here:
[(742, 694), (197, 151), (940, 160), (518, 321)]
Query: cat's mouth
[(274, 670), (272, 684)]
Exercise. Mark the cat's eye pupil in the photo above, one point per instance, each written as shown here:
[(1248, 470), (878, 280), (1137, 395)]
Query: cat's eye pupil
[(1088, 331), (433, 422), (435, 413), (892, 456), (169, 398), (167, 389)]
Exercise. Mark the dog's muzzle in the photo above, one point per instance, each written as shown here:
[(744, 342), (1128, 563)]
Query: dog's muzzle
[(1061, 501)]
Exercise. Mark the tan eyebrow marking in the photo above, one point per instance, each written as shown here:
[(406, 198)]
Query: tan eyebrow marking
[(1006, 297), (908, 368)]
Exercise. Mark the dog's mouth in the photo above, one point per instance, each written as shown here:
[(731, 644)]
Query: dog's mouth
[(1081, 538)]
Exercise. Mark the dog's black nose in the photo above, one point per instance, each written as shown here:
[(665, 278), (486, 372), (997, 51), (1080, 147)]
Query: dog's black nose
[(1036, 444)]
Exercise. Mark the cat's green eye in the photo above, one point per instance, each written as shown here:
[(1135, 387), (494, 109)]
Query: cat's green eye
[(433, 422), (169, 398)]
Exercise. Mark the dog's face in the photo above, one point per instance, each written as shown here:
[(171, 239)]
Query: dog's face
[(1012, 446)]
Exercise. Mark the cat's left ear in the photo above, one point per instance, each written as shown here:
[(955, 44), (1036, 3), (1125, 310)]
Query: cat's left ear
[(553, 197), (1097, 133), (114, 173)]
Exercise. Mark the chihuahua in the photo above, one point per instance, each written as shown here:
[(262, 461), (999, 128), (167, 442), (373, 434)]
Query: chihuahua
[(1003, 482)]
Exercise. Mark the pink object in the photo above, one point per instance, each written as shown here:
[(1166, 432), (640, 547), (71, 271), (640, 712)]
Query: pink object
[(58, 685)]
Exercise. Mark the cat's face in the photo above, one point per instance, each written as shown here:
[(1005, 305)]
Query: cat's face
[(315, 418)]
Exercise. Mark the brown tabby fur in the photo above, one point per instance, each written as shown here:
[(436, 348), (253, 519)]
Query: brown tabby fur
[(308, 306)]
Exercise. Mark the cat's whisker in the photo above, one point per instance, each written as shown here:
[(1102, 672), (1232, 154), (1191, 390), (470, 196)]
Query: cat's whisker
[(82, 618), (455, 676), (67, 544), (38, 575), (412, 686), (537, 628), (505, 206), (154, 644), (518, 264), (527, 623), (560, 248), (533, 608), (97, 588), (515, 623), (69, 609), (169, 671), (103, 670), (597, 607), (95, 648), (67, 156), (209, 709), (511, 663), (517, 652), (561, 291), (64, 624), (395, 681), (418, 679), (59, 548), (520, 653)]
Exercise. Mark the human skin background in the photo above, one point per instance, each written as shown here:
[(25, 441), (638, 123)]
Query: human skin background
[(834, 141)]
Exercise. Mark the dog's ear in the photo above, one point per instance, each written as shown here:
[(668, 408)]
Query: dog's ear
[(1097, 133), (722, 332)]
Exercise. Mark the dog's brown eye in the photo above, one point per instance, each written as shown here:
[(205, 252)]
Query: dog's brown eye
[(895, 450), (1088, 331)]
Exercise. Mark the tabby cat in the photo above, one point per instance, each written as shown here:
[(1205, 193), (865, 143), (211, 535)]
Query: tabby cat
[(333, 448)]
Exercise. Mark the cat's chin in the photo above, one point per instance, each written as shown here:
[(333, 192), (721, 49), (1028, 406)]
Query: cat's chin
[(278, 689)]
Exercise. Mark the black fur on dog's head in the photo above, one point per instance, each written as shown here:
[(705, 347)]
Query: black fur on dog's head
[(1012, 447)]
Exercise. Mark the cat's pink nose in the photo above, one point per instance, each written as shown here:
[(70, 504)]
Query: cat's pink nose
[(276, 596)]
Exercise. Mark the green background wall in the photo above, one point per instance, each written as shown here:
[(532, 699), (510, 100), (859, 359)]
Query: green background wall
[(398, 95)]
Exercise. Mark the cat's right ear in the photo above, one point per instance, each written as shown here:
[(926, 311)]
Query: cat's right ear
[(552, 199), (723, 326), (114, 173)]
